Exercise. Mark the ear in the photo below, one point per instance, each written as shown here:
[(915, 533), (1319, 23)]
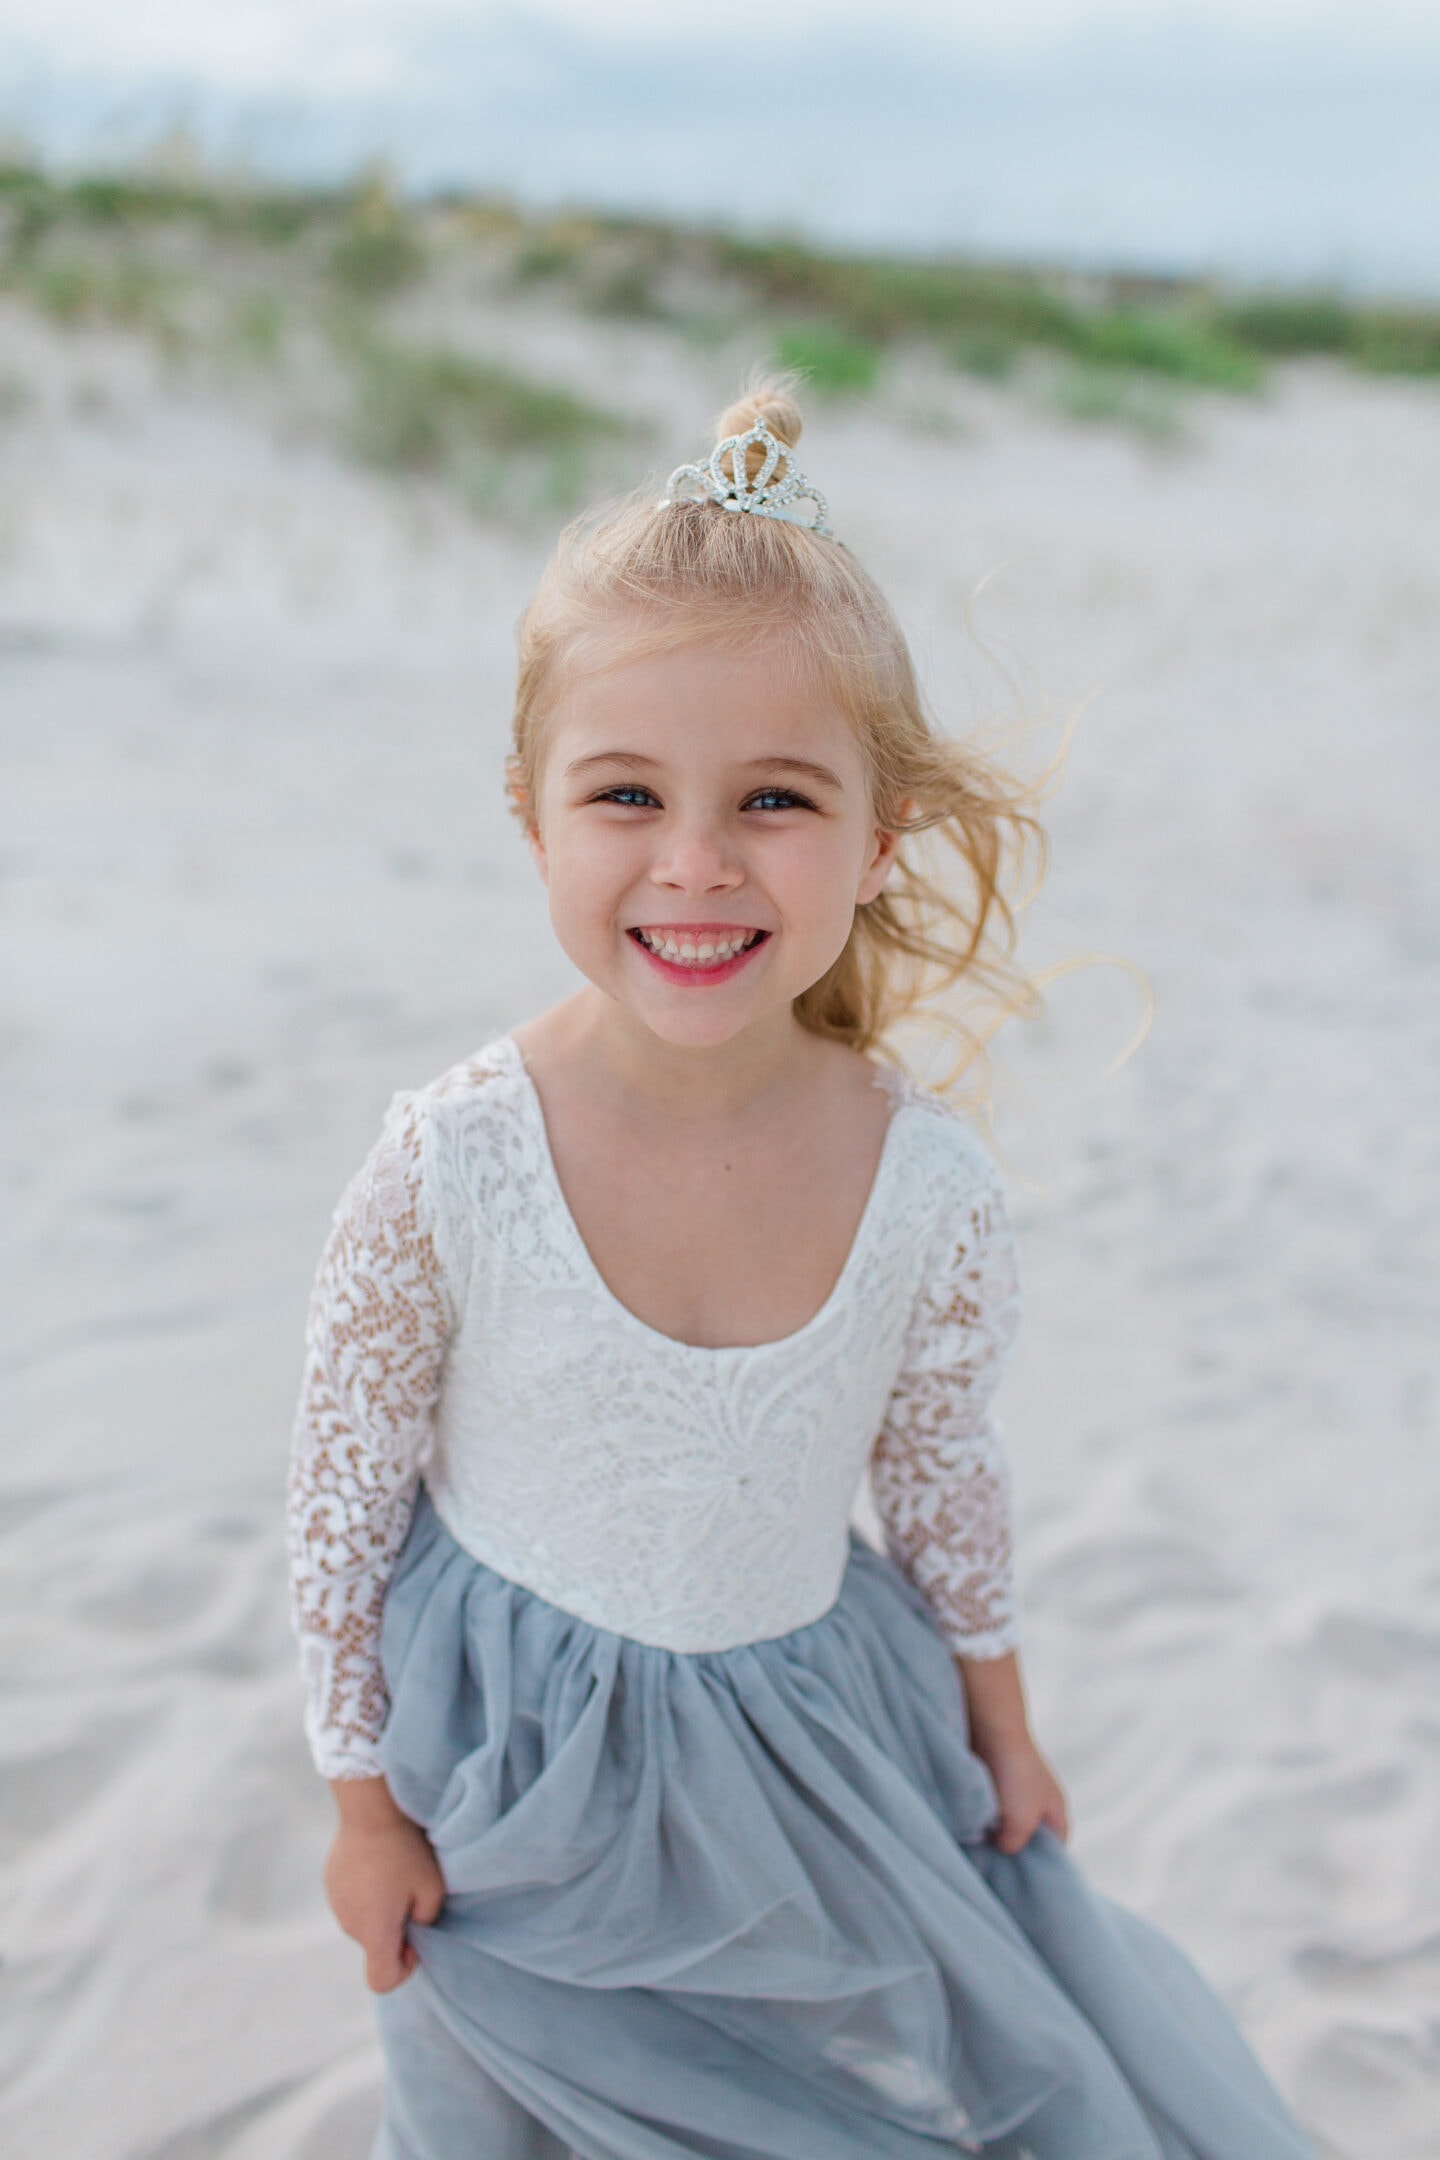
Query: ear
[(537, 852), (885, 839), (520, 803)]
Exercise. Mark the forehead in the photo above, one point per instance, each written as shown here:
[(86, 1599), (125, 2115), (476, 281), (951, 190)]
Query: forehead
[(709, 704)]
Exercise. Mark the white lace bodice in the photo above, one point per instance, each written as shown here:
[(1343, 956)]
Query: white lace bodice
[(688, 1497)]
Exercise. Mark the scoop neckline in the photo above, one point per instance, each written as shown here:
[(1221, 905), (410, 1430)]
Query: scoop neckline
[(900, 1102)]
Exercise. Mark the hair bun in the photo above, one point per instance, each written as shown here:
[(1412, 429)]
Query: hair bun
[(769, 403)]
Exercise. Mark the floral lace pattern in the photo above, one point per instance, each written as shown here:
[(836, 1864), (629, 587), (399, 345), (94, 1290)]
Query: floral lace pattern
[(938, 1474), (460, 1331), (375, 1348)]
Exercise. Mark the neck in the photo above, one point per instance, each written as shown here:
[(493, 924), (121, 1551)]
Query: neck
[(685, 1085)]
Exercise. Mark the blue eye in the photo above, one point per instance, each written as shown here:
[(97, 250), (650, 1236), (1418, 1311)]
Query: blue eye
[(774, 798), (629, 797)]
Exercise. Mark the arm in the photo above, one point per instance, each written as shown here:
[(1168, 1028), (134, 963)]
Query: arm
[(375, 1348), (942, 1490), (1027, 1788)]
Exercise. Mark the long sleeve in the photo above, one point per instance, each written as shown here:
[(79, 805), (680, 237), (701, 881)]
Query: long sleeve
[(938, 1474), (375, 1351)]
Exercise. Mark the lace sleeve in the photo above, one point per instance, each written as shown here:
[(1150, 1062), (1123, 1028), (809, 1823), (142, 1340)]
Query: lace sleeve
[(939, 1477), (375, 1350)]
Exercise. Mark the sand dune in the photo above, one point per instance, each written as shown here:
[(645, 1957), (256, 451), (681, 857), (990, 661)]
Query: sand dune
[(258, 874)]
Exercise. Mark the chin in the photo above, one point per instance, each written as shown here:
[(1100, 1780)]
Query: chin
[(698, 1030)]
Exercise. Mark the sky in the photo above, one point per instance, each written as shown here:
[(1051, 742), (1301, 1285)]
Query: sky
[(272, 45), (1291, 140)]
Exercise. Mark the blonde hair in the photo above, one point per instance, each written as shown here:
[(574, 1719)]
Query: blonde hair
[(687, 573)]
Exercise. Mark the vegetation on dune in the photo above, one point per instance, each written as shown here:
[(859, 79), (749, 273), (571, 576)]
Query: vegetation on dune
[(1385, 340), (308, 288), (379, 249), (268, 278), (832, 362), (1144, 405), (501, 437)]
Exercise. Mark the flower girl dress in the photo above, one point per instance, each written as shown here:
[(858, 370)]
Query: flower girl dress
[(693, 1757)]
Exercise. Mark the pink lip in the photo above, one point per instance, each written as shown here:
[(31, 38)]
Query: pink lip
[(699, 975)]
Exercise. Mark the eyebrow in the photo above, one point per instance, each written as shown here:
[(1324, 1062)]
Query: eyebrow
[(611, 757), (636, 763), (800, 765)]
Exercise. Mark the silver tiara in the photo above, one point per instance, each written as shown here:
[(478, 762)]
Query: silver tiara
[(725, 480)]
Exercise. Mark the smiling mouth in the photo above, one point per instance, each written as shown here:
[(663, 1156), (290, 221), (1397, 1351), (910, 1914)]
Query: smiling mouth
[(698, 948)]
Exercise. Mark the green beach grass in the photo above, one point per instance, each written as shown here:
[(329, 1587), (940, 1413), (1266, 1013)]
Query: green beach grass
[(252, 275)]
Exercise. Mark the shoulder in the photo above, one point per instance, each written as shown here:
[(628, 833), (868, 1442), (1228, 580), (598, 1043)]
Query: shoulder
[(955, 1200), (436, 1139), (488, 1074), (944, 1143), (484, 1086), (970, 1284), (473, 1110)]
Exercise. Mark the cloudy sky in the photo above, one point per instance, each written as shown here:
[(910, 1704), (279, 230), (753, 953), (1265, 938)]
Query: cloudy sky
[(1259, 138), (266, 44), (274, 45)]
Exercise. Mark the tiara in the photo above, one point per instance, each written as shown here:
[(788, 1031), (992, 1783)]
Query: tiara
[(725, 480)]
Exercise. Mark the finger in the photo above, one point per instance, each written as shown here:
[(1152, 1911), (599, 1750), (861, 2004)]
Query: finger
[(384, 1968), (1014, 1833), (427, 1905)]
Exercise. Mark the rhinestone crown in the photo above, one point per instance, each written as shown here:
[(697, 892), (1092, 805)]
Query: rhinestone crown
[(725, 480)]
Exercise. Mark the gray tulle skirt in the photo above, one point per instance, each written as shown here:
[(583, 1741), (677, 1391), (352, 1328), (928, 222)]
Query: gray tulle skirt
[(742, 1906)]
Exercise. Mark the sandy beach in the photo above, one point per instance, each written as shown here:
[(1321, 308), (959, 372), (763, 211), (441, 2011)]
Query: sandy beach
[(258, 873)]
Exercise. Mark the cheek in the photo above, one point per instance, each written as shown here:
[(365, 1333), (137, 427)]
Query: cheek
[(588, 868), (821, 871)]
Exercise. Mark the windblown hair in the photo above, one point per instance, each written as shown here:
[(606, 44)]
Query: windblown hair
[(653, 578)]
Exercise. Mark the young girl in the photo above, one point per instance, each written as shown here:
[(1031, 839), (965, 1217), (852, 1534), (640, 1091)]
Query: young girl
[(675, 1822)]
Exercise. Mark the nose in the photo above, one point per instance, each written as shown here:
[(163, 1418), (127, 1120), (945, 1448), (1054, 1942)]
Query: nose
[(695, 856)]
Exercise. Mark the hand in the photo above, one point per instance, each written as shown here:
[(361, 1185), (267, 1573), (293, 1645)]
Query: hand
[(1027, 1788), (379, 1876), (1028, 1791)]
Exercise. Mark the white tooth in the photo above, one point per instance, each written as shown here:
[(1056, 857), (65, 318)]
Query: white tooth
[(687, 948), (670, 949), (705, 951)]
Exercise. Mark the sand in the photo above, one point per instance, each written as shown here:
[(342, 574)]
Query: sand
[(258, 874)]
